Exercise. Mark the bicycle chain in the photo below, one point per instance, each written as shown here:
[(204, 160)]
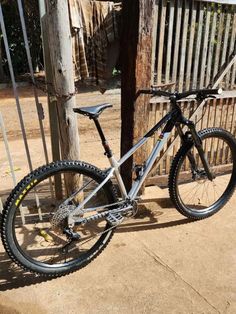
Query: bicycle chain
[(64, 211), (104, 214)]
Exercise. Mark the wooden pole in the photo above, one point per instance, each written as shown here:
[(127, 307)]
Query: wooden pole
[(52, 101), (136, 59), (59, 36)]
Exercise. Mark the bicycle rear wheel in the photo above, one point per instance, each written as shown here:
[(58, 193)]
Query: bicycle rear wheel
[(38, 245), (193, 194)]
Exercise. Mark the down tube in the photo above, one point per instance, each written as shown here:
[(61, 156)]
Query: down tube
[(149, 163)]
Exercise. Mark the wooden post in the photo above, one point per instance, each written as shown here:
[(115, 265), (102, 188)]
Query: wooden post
[(52, 101), (59, 36), (136, 74)]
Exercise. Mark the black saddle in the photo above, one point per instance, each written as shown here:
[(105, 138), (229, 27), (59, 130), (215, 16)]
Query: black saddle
[(92, 112)]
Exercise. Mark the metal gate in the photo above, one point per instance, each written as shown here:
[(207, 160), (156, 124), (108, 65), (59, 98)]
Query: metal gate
[(39, 108)]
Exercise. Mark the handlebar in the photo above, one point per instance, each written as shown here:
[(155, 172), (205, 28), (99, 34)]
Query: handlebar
[(200, 93)]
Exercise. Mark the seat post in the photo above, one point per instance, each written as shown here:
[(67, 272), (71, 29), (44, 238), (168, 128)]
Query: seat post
[(105, 144)]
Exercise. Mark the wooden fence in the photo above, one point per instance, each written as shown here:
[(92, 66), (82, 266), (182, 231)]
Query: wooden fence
[(193, 43), (219, 112)]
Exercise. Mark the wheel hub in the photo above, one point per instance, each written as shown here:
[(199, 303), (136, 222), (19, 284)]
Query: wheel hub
[(200, 176)]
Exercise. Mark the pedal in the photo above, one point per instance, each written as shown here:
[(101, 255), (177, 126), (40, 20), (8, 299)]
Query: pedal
[(114, 219)]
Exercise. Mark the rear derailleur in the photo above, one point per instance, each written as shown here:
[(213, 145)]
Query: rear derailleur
[(71, 237)]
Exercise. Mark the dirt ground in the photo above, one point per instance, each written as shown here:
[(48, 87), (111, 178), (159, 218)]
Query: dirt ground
[(159, 262)]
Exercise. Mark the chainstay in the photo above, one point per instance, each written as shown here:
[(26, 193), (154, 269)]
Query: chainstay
[(103, 215), (105, 231)]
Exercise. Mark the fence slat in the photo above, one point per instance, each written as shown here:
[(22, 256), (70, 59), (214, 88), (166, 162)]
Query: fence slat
[(205, 46), (226, 36), (219, 44), (231, 45), (198, 47), (183, 48), (177, 41), (211, 48), (169, 41), (161, 41), (190, 45), (154, 40)]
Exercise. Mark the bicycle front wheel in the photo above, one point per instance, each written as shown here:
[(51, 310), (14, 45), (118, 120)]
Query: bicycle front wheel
[(193, 194), (33, 231)]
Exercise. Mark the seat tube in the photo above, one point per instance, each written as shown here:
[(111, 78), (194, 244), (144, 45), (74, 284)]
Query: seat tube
[(112, 160), (105, 144)]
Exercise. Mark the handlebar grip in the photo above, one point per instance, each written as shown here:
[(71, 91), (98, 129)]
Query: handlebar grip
[(200, 92), (211, 91)]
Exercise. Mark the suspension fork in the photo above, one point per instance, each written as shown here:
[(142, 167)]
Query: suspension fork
[(198, 144), (189, 154)]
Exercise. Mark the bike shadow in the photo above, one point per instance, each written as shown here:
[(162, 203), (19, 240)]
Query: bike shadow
[(154, 214), (13, 277), (151, 215)]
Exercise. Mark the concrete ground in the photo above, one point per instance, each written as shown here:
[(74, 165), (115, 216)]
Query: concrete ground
[(159, 262)]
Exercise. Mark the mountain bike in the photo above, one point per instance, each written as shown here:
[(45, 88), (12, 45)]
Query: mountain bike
[(61, 236)]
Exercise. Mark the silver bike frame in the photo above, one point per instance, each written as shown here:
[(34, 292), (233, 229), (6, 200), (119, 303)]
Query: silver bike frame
[(114, 171)]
